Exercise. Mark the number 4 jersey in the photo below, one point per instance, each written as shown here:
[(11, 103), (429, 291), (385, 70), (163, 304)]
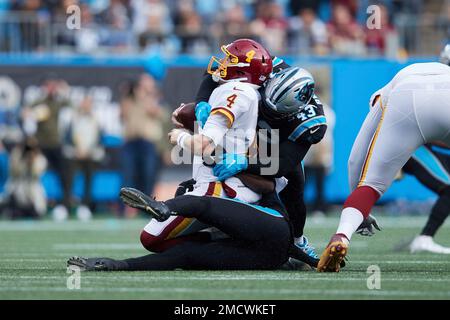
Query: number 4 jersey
[(231, 124)]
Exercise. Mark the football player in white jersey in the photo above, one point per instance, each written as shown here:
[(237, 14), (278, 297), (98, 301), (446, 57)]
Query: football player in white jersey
[(411, 110), (231, 127), (259, 237)]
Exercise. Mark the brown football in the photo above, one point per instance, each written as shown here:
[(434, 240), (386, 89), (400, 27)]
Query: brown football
[(186, 115)]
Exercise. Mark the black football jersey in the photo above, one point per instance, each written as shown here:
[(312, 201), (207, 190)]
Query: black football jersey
[(309, 125)]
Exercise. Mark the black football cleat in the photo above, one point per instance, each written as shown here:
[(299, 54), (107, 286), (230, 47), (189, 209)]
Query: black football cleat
[(296, 265), (97, 264), (139, 200), (298, 254)]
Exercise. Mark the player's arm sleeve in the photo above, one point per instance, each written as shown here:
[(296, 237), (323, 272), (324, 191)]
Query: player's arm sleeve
[(290, 157), (215, 128), (206, 88)]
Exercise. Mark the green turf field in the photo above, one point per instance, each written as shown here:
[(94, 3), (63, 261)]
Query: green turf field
[(33, 266)]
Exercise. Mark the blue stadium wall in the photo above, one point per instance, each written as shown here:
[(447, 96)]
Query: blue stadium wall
[(352, 83)]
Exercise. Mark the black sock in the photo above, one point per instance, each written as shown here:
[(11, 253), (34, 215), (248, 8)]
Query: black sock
[(439, 213)]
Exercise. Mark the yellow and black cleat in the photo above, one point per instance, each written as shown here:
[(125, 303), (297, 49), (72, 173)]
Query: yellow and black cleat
[(334, 254)]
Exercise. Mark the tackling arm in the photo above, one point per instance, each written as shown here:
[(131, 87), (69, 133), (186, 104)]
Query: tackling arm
[(291, 156)]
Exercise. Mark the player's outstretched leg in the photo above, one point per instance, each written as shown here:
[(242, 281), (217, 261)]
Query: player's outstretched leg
[(237, 219), (139, 200), (384, 157), (97, 264)]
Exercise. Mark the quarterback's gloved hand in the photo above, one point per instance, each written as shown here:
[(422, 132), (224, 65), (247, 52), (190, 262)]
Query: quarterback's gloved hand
[(230, 164), (202, 111), (366, 228)]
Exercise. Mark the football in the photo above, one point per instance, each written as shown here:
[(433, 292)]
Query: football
[(185, 114)]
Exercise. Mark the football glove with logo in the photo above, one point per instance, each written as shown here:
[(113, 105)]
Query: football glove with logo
[(229, 165)]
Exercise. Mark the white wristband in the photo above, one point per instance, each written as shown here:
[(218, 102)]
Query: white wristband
[(182, 138)]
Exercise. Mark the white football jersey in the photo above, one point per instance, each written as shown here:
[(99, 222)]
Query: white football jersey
[(235, 103)]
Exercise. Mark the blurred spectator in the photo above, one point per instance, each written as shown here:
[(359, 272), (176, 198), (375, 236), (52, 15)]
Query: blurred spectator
[(143, 129), (82, 147), (152, 21), (188, 27), (87, 39), (24, 195), (117, 15), (118, 21), (270, 26), (64, 36), (169, 27), (296, 6), (308, 33), (231, 25), (351, 5), (44, 112), (408, 14), (346, 36), (377, 40), (319, 163), (30, 34)]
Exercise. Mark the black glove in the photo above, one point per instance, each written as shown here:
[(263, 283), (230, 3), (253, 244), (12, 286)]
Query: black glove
[(366, 228), (184, 187)]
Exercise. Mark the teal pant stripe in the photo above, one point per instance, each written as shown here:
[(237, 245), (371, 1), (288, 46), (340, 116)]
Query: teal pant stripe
[(433, 165), (266, 210)]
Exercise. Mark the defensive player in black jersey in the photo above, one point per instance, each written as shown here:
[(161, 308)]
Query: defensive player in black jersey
[(289, 107), (259, 236)]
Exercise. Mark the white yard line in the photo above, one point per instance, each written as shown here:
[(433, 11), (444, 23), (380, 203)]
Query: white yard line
[(398, 261), (109, 225), (283, 277), (96, 246), (256, 291)]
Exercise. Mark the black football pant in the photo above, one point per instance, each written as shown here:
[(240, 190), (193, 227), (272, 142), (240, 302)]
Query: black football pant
[(292, 197), (441, 208), (258, 239)]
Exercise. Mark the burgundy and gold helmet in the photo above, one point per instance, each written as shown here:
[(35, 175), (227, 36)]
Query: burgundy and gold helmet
[(245, 60)]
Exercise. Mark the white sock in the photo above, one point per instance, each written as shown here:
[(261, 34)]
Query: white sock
[(351, 218)]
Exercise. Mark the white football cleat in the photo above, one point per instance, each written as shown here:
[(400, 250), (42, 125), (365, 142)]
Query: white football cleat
[(426, 243), (60, 213), (84, 213)]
